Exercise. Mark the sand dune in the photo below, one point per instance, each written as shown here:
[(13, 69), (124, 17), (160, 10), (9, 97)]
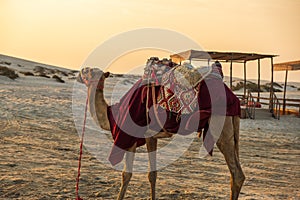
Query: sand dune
[(40, 146)]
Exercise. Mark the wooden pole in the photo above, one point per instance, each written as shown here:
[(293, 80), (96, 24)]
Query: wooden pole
[(258, 84), (284, 92), (245, 77), (271, 89), (231, 74)]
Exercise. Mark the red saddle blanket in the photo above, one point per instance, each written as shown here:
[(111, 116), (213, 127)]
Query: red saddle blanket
[(128, 121)]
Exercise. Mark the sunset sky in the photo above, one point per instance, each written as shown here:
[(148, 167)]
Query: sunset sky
[(65, 32)]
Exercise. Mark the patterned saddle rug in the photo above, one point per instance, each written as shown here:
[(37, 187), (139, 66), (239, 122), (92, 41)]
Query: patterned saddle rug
[(180, 89)]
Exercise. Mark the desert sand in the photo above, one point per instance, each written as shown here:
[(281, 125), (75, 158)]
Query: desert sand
[(40, 148)]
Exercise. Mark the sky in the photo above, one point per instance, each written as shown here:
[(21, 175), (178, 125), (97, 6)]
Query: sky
[(65, 32)]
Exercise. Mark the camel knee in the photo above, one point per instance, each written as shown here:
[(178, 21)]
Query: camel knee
[(126, 176), (240, 178), (237, 181), (152, 177)]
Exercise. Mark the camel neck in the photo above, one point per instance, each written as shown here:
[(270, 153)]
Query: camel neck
[(98, 107)]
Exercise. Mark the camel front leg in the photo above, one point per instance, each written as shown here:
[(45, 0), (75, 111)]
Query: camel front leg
[(152, 174), (127, 171)]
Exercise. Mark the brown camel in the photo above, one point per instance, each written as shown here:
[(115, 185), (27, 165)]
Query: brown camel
[(227, 142)]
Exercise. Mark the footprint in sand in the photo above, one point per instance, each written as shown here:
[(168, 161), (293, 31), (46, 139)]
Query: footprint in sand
[(8, 122)]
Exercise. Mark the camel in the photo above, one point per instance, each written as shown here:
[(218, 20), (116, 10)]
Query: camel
[(228, 142)]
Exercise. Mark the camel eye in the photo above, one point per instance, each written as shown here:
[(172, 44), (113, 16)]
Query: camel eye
[(84, 71), (92, 73)]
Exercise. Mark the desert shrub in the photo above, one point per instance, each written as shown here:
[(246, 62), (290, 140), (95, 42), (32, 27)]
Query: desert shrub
[(71, 74), (238, 86), (4, 71), (5, 63), (27, 73), (274, 85), (45, 70), (58, 79), (63, 73), (50, 71), (39, 69), (119, 75), (42, 74), (253, 87), (267, 88)]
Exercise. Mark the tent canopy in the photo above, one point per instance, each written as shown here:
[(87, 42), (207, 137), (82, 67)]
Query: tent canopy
[(293, 65), (286, 66), (221, 56)]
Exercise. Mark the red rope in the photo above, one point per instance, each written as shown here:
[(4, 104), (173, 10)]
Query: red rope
[(80, 153)]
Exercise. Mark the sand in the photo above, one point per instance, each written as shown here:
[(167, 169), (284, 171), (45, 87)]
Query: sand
[(40, 148)]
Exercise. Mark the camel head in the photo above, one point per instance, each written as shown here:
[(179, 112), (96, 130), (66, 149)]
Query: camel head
[(92, 77)]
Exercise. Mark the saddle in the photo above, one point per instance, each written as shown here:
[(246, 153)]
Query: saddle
[(179, 84)]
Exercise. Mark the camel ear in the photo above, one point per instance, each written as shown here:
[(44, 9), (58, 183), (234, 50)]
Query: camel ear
[(106, 74)]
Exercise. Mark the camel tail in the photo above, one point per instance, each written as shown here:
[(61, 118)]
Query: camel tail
[(236, 129)]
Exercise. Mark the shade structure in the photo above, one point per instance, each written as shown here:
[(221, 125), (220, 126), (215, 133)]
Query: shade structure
[(290, 66), (215, 55), (231, 57), (286, 66)]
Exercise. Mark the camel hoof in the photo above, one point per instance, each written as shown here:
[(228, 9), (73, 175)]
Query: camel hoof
[(162, 135)]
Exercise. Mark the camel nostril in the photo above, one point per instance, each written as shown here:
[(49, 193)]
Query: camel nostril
[(79, 78)]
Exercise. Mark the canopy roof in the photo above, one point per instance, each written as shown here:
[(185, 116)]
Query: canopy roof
[(221, 56), (293, 65)]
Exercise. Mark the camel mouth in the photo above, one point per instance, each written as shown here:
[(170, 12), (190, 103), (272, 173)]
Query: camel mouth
[(87, 75), (79, 78), (82, 76)]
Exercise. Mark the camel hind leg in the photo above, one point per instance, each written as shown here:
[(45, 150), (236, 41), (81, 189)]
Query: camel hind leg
[(127, 171), (228, 145), (236, 130), (151, 143)]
